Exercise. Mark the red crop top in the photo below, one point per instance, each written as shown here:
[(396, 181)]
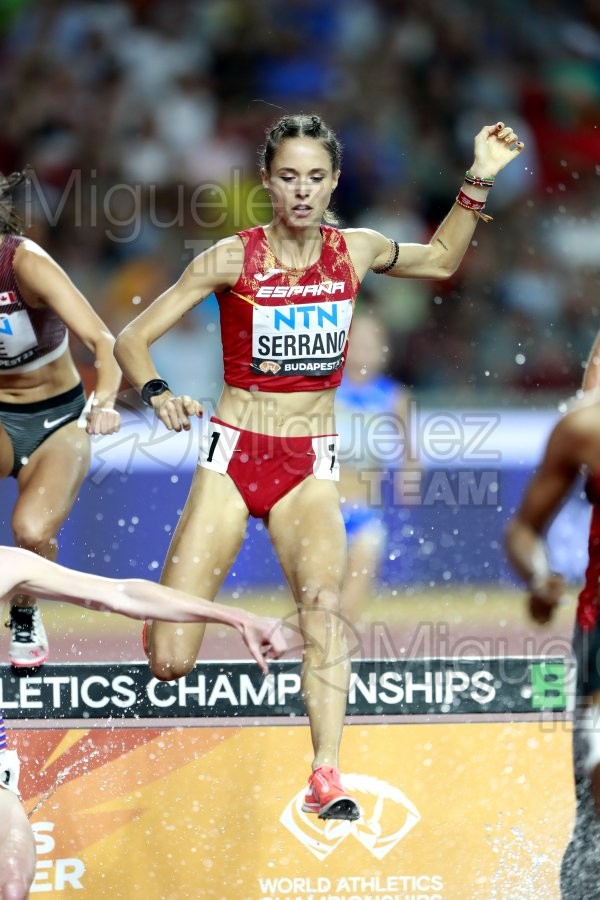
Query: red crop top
[(286, 329)]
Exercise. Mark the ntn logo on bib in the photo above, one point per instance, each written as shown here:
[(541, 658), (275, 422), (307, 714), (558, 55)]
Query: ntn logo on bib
[(307, 337)]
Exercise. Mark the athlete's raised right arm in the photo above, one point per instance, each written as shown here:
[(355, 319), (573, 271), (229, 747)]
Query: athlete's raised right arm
[(214, 270)]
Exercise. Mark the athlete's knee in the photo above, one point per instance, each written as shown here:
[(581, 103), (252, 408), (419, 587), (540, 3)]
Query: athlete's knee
[(320, 599), (322, 626), (32, 533), (172, 652), (167, 667)]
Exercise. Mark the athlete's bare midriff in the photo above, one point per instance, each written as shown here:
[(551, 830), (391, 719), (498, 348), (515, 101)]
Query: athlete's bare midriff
[(49, 380), (281, 414)]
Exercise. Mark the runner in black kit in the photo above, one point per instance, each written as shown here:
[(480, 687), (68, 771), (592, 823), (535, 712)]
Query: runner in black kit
[(41, 399)]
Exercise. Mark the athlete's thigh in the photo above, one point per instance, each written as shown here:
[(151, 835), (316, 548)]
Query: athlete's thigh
[(49, 483), (208, 535), (6, 454), (309, 537), (205, 544)]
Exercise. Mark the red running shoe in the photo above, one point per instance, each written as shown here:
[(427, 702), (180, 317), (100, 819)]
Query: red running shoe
[(327, 797)]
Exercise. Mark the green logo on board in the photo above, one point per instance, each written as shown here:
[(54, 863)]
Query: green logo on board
[(548, 686)]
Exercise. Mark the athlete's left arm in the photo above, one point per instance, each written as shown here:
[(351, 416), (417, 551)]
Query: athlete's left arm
[(495, 146), (44, 282)]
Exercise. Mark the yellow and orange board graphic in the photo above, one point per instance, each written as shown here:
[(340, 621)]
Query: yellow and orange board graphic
[(449, 811)]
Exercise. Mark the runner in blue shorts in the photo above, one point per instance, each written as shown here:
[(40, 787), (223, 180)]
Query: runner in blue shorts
[(373, 421)]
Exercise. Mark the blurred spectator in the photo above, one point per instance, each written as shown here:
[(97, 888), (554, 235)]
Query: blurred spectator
[(140, 121)]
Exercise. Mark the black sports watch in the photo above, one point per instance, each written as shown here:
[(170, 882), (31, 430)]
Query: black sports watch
[(153, 388)]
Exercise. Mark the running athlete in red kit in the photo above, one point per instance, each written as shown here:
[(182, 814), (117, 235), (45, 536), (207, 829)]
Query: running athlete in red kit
[(286, 294), (572, 448), (41, 401)]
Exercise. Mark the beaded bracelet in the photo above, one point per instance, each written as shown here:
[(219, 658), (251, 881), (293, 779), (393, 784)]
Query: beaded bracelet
[(476, 181), (393, 260), (475, 206)]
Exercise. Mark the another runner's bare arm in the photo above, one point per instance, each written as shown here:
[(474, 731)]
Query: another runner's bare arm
[(44, 283), (21, 570), (494, 147)]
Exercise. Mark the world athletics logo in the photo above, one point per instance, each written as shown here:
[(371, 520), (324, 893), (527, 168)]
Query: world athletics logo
[(387, 816)]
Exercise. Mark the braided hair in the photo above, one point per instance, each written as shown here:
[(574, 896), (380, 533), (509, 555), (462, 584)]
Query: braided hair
[(10, 220), (300, 126), (293, 126)]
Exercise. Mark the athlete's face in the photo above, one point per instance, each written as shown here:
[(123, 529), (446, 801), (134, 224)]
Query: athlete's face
[(300, 181)]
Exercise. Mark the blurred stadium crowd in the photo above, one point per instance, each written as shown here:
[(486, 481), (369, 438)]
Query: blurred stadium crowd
[(140, 121)]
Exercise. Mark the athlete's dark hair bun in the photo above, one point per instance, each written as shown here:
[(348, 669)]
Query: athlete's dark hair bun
[(10, 221), (292, 126)]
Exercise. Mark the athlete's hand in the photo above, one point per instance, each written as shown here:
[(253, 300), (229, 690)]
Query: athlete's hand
[(545, 597), (495, 146), (175, 412), (103, 420), (264, 639)]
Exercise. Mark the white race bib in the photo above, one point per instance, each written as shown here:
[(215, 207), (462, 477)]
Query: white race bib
[(326, 466), (16, 335), (9, 771), (217, 444), (300, 339)]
